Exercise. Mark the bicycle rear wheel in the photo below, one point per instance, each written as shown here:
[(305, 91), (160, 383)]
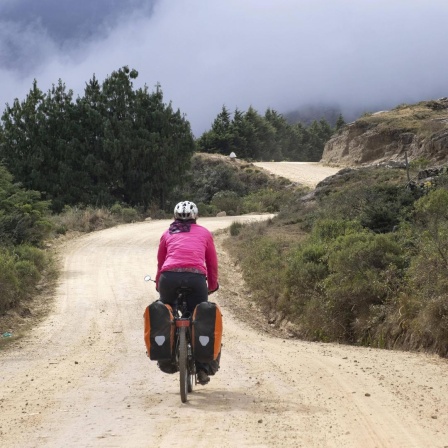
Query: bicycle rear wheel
[(191, 371), (183, 365)]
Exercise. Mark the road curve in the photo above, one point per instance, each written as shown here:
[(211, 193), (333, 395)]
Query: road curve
[(306, 173)]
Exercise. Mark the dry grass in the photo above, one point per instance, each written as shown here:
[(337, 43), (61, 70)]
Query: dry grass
[(419, 118), (90, 219)]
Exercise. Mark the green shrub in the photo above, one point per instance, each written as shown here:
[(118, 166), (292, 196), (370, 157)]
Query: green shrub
[(267, 200), (263, 262), (379, 207), (327, 230), (419, 164), (304, 263), (307, 267), (21, 268), (263, 269), (365, 270), (227, 201), (9, 282), (430, 262), (28, 275), (61, 229), (29, 253), (23, 215), (116, 209), (210, 177), (207, 209), (433, 325), (129, 215), (235, 228), (384, 207)]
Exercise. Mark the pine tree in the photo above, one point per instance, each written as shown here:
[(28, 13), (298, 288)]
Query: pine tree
[(340, 122), (239, 142), (219, 138), (21, 147)]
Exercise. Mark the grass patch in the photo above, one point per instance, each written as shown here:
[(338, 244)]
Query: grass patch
[(422, 119), (89, 219)]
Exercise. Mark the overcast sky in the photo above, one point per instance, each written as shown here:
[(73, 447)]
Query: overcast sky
[(360, 55)]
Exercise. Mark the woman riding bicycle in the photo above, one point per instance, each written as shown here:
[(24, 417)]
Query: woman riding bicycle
[(187, 257)]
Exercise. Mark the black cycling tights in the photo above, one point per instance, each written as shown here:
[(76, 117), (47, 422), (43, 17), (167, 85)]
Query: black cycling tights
[(169, 282)]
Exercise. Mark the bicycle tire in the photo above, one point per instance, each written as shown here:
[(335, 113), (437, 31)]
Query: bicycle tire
[(191, 372), (183, 365)]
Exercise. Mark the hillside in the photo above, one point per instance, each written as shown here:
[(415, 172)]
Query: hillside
[(420, 130), (361, 260)]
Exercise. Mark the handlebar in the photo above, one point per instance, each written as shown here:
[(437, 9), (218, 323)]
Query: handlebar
[(148, 278)]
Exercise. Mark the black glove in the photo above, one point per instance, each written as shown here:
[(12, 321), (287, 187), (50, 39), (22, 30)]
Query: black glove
[(211, 292)]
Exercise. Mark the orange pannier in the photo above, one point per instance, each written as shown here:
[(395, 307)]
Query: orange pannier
[(159, 331), (207, 332)]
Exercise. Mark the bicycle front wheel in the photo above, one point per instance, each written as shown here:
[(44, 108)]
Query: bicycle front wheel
[(183, 365)]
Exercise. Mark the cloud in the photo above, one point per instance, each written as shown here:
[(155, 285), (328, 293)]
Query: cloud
[(265, 53), (71, 21)]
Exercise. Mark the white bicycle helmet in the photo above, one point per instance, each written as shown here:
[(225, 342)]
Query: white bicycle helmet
[(185, 210)]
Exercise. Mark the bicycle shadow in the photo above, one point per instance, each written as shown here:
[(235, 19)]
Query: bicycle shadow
[(223, 400)]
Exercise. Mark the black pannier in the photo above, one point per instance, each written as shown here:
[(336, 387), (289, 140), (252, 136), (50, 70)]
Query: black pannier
[(159, 331), (207, 332)]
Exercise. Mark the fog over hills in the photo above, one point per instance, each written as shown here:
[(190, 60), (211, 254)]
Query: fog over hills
[(289, 55)]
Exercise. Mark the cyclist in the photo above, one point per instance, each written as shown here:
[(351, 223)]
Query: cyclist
[(187, 257)]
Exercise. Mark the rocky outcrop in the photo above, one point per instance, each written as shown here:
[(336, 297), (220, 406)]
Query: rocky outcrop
[(420, 131)]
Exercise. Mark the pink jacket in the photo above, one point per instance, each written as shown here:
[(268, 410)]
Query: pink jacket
[(193, 249)]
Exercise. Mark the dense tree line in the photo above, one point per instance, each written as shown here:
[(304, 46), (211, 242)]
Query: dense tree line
[(117, 144), (113, 144), (268, 137)]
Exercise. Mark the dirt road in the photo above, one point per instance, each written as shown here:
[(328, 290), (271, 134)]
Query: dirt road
[(307, 173), (81, 378)]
